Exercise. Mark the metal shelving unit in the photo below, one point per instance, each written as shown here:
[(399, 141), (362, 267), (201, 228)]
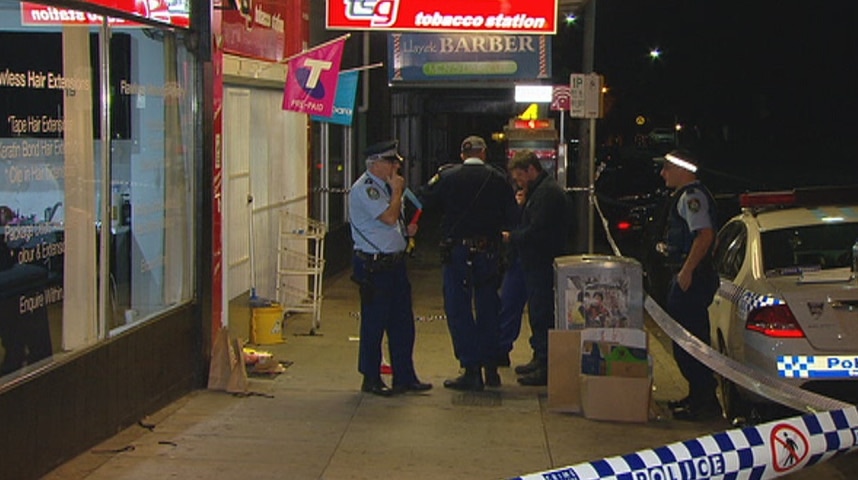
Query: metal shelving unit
[(300, 264)]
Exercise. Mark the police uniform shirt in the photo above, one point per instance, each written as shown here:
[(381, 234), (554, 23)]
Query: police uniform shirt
[(368, 199), (693, 207), (475, 198)]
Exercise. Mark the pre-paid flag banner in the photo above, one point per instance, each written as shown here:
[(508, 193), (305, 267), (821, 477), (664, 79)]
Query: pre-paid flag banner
[(311, 79), (344, 100)]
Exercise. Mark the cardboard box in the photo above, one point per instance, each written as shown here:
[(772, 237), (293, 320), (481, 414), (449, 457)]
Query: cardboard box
[(620, 399), (564, 371)]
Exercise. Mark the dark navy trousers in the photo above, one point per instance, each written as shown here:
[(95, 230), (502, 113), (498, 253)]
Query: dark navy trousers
[(472, 304), (690, 309), (386, 309), (513, 298), (540, 307)]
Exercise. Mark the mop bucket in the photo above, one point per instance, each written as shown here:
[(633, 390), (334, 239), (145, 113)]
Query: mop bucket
[(266, 325)]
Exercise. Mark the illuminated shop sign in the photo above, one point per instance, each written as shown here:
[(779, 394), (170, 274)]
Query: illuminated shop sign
[(423, 57), (171, 12), (508, 16)]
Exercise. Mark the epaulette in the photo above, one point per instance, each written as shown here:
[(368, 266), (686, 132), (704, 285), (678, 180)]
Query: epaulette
[(441, 171), (368, 180)]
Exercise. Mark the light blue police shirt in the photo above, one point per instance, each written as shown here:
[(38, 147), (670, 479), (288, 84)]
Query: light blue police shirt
[(368, 199), (693, 206)]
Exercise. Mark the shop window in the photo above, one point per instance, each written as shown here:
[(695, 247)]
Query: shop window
[(96, 191)]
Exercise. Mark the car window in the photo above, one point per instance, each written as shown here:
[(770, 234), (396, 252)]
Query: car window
[(729, 250), (824, 246)]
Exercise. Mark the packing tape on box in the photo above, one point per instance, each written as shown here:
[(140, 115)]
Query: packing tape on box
[(765, 451)]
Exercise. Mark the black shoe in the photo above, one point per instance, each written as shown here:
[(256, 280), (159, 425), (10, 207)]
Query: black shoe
[(376, 387), (698, 413), (536, 378), (492, 377), (533, 365), (415, 386), (503, 360), (471, 380), (680, 404)]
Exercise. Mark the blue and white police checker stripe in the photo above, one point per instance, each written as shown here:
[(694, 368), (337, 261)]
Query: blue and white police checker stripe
[(766, 451), (818, 366)]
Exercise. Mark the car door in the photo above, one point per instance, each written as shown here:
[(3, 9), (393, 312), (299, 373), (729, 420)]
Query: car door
[(728, 259)]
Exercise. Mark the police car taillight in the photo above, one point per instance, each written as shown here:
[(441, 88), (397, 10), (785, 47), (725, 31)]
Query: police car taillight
[(774, 321)]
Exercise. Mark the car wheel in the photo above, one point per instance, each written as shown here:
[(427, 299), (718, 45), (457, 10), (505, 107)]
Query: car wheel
[(735, 408)]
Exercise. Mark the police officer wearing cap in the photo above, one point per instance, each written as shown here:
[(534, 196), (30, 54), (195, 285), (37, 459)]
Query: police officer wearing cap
[(477, 202), (379, 235), (687, 244)]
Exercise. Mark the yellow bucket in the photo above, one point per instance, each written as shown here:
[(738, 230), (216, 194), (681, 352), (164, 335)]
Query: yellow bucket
[(266, 325)]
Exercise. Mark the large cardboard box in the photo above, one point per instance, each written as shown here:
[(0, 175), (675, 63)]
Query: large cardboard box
[(564, 371), (621, 399)]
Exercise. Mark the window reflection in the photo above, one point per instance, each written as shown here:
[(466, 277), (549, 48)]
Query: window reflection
[(55, 170)]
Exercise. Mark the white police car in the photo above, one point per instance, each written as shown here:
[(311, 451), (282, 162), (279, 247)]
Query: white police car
[(787, 304)]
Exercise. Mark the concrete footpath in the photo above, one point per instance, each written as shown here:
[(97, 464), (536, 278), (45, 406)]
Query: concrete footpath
[(312, 422)]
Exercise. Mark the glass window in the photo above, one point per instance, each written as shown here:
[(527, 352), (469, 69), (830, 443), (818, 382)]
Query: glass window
[(821, 246), (730, 249), (66, 282)]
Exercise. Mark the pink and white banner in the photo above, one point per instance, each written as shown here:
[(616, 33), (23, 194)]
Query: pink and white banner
[(311, 79)]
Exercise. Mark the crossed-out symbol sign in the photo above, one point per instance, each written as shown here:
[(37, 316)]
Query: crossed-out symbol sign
[(789, 447)]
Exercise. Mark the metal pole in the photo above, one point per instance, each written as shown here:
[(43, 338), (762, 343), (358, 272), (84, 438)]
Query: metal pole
[(592, 187), (586, 146), (324, 180)]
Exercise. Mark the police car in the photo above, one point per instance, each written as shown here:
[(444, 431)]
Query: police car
[(787, 304)]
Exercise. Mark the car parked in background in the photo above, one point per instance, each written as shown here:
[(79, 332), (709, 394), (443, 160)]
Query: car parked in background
[(787, 305)]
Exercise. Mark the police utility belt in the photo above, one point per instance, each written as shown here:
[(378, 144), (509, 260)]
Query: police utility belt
[(380, 261)]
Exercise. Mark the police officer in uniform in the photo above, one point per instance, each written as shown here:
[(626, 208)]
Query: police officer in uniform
[(687, 244), (379, 235), (476, 200)]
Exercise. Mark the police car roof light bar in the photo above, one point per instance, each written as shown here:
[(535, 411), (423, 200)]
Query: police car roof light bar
[(805, 197)]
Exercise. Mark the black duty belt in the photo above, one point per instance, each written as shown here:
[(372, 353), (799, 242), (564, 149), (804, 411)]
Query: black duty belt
[(380, 257), (477, 243)]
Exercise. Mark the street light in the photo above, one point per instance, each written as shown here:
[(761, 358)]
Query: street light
[(655, 54)]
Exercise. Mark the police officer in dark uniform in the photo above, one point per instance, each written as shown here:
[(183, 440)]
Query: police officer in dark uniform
[(476, 200), (688, 242), (379, 234)]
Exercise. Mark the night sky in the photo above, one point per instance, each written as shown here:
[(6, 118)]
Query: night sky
[(766, 89)]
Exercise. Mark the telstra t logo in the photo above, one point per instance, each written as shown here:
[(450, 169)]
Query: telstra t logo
[(380, 13), (309, 74)]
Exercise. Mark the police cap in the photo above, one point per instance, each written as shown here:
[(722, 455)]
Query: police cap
[(681, 158), (385, 150)]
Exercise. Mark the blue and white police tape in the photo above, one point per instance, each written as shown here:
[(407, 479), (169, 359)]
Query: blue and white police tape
[(765, 451), (764, 385)]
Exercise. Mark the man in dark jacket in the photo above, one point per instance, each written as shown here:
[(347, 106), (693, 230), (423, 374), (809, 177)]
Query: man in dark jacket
[(475, 199), (539, 239)]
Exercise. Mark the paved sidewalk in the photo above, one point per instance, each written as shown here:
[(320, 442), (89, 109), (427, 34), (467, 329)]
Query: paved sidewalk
[(312, 422)]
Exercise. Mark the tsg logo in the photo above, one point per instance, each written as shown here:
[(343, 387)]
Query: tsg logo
[(380, 13)]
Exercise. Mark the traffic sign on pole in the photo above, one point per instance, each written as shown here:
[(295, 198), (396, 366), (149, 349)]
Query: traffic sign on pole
[(586, 91)]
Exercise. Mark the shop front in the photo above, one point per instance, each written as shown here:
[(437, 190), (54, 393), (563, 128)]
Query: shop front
[(101, 188)]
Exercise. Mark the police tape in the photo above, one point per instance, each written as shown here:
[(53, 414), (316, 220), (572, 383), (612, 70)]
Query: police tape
[(764, 451), (766, 386), (760, 452)]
